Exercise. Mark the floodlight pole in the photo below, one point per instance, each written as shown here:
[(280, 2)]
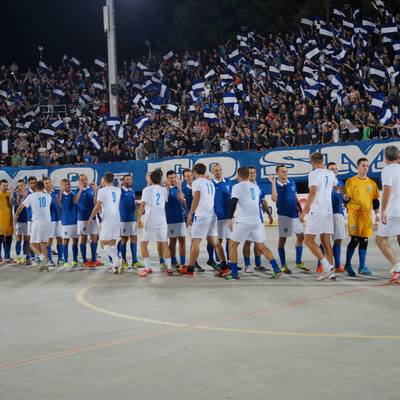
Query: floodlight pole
[(109, 28)]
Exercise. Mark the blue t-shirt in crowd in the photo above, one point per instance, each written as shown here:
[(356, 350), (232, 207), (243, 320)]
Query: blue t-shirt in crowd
[(187, 192), (55, 210), (337, 199), (222, 198), (173, 207), (23, 217), (69, 213), (287, 199), (85, 204), (127, 205)]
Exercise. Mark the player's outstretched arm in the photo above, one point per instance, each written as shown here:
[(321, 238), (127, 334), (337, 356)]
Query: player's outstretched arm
[(140, 214), (307, 206), (95, 211), (19, 210), (274, 194), (195, 203)]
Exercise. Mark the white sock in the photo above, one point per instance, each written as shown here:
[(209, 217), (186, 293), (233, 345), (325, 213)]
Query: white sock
[(114, 255), (106, 250), (325, 264), (396, 267), (146, 262), (168, 262), (41, 257)]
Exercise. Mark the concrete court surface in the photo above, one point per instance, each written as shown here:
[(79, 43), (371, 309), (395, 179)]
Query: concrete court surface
[(93, 335)]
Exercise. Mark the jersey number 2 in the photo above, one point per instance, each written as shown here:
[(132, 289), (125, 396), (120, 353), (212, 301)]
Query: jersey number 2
[(157, 199), (114, 197)]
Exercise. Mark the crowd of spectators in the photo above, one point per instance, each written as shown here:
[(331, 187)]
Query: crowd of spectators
[(331, 82)]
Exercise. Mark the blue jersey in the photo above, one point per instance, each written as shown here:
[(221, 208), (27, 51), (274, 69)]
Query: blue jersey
[(173, 207), (287, 199), (85, 204), (187, 192), (127, 205), (23, 217), (222, 198), (337, 199), (68, 209), (55, 210)]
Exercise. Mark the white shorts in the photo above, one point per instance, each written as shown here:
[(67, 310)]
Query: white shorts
[(289, 226), (222, 229), (56, 229), (110, 230), (392, 228), (21, 228), (176, 230), (128, 228), (339, 228), (319, 223), (84, 228), (40, 231), (29, 227), (69, 232), (159, 234), (202, 227), (251, 232)]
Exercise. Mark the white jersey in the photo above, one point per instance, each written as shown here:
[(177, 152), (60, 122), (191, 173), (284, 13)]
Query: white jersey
[(39, 203), (324, 180), (248, 206), (207, 192), (391, 177), (155, 197), (109, 197)]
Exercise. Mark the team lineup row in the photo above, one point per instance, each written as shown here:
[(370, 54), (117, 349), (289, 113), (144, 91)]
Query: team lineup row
[(211, 209)]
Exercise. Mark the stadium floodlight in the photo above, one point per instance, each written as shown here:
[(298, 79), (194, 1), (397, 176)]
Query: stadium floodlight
[(109, 29)]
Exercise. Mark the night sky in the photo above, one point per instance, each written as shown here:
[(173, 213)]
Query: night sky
[(75, 28)]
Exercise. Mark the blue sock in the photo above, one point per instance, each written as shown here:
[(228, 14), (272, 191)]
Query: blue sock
[(210, 251), (60, 251), (299, 254), (246, 260), (65, 248), (75, 252), (1, 249), (227, 249), (93, 250), (257, 261), (25, 248), (18, 247), (234, 269), (82, 247), (49, 255), (123, 251), (173, 260), (282, 255), (162, 261), (349, 254), (274, 265), (336, 254), (182, 260), (7, 248), (134, 252), (362, 253)]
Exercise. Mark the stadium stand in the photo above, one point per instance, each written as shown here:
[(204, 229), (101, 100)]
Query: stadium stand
[(330, 82)]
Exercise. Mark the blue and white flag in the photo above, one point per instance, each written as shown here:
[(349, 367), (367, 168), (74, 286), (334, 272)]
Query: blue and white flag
[(312, 52), (210, 74), (336, 82), (377, 101), (339, 13), (370, 89), (229, 99), (234, 54), (4, 146), (167, 56), (142, 122), (378, 72), (5, 122), (42, 65), (86, 72), (210, 116), (238, 110), (113, 121), (286, 68), (396, 46), (259, 63), (325, 32), (85, 98), (306, 21), (3, 93), (368, 25), (172, 108), (58, 92), (192, 63), (99, 63), (137, 98), (75, 61), (57, 124), (348, 25), (163, 91), (389, 29), (98, 86), (273, 72), (231, 68), (141, 66), (48, 132), (198, 86), (385, 116), (225, 77)]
